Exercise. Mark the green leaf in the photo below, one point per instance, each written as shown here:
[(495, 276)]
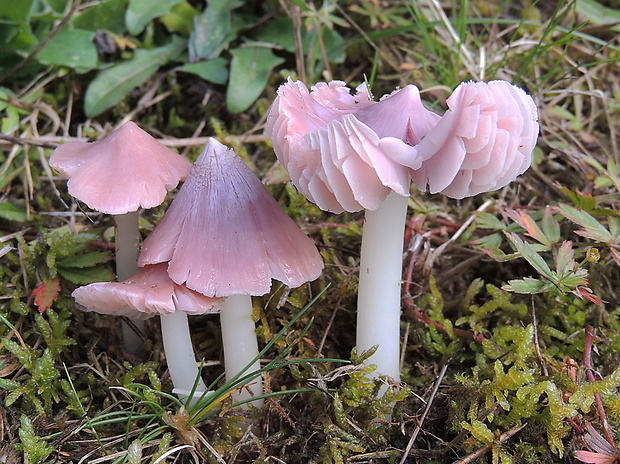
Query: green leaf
[(140, 13), (214, 70), (180, 19), (85, 260), (18, 12), (71, 47), (488, 221), (531, 256), (565, 261), (249, 70), (113, 84), (550, 226), (102, 15), (87, 275), (596, 13), (528, 285), (213, 30), (12, 213), (59, 6), (591, 227)]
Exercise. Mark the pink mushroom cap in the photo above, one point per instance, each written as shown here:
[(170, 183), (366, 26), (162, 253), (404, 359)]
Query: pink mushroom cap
[(342, 150), (224, 234), (126, 170), (149, 292), (482, 143)]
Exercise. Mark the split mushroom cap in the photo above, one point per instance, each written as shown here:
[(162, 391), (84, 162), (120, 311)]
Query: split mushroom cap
[(149, 292), (224, 234), (124, 171), (344, 151), (482, 143)]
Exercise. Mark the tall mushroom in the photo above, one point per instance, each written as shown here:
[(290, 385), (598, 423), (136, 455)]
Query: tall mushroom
[(345, 152), (117, 175), (150, 292), (224, 235)]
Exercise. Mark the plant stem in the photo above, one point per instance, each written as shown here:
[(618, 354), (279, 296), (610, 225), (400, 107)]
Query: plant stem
[(378, 304), (180, 355), (587, 362), (127, 244), (240, 345)]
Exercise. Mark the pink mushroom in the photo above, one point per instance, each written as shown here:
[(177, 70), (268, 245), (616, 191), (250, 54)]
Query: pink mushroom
[(339, 149), (150, 292), (225, 236), (117, 175), (344, 152), (482, 143)]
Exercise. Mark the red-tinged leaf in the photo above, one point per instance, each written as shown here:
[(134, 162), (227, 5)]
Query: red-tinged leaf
[(45, 293), (585, 292), (564, 260), (530, 226), (595, 458), (615, 254)]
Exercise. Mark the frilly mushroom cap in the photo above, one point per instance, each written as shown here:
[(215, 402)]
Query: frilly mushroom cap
[(482, 143), (224, 234), (343, 151), (149, 292), (126, 170)]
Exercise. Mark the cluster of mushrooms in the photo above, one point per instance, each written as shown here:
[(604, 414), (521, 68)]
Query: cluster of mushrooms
[(224, 238)]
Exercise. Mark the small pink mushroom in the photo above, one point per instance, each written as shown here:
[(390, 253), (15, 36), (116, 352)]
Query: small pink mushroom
[(225, 236), (121, 173), (117, 175), (151, 292)]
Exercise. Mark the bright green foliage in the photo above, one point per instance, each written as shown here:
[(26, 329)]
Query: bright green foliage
[(33, 446), (40, 390), (113, 84), (213, 30), (250, 69), (356, 405)]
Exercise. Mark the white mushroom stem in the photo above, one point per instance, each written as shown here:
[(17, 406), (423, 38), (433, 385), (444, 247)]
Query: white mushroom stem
[(240, 345), (378, 310), (127, 243), (180, 355)]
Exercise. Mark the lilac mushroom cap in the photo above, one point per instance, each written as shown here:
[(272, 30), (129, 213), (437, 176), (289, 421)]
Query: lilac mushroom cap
[(224, 234), (121, 173), (150, 292), (344, 151)]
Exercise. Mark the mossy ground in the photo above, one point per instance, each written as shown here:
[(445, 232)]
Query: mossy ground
[(516, 379)]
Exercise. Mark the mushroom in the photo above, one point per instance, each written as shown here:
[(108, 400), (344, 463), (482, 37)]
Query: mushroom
[(150, 292), (344, 152), (117, 175), (224, 235)]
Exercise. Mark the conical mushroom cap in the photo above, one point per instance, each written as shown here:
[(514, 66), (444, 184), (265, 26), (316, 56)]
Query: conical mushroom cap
[(343, 151), (149, 292), (121, 173), (482, 143), (224, 234)]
